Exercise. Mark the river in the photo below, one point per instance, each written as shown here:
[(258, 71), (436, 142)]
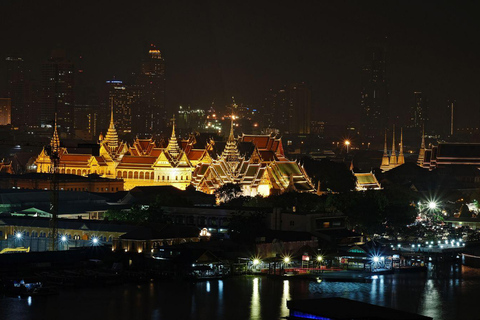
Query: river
[(445, 294)]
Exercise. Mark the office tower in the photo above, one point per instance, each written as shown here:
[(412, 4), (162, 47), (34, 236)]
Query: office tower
[(289, 109), (57, 92), (418, 111), (5, 111), (16, 89), (299, 108), (120, 100), (151, 109), (374, 92), (87, 112), (276, 109), (449, 118)]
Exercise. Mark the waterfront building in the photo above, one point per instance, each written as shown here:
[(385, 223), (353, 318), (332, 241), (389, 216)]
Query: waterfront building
[(68, 182), (150, 238), (261, 168), (392, 161), (35, 232)]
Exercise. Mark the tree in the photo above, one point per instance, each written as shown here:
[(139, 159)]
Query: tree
[(228, 192), (333, 176)]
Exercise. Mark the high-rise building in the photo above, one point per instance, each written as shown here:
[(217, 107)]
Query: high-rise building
[(449, 118), (374, 93), (5, 111), (299, 108), (120, 99), (418, 111), (57, 95), (16, 89), (151, 111), (289, 109)]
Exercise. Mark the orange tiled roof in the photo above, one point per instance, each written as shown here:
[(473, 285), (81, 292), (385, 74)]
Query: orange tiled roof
[(195, 154)]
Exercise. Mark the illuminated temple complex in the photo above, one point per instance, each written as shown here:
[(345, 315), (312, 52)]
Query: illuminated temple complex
[(256, 162)]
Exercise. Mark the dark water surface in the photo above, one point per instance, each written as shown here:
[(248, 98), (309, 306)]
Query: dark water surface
[(451, 293)]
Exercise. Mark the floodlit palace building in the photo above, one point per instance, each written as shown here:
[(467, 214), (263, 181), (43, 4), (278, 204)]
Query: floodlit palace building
[(256, 162)]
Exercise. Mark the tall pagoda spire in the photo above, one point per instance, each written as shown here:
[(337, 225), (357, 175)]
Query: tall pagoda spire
[(231, 153), (385, 159), (55, 141), (393, 157), (421, 153), (173, 148), (401, 157), (112, 136)]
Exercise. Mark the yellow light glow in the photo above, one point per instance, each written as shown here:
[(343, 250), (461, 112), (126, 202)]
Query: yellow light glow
[(319, 258), (347, 142), (286, 259), (256, 261)]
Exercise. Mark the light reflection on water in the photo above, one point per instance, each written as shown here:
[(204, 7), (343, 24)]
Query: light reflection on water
[(443, 294), (285, 297), (255, 305)]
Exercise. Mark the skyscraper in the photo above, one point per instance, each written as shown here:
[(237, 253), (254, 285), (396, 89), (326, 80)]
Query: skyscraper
[(118, 97), (57, 92), (151, 111), (449, 118), (16, 89), (374, 94), (289, 109), (299, 108), (418, 111)]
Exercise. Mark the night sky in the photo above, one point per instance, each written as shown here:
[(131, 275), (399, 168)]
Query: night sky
[(214, 50)]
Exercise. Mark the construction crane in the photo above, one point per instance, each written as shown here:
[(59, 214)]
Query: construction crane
[(53, 152)]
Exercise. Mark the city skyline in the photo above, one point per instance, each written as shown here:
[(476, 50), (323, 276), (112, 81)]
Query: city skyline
[(210, 59)]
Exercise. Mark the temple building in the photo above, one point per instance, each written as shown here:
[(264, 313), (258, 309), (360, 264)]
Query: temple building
[(449, 154), (263, 170), (259, 165), (392, 161), (366, 181)]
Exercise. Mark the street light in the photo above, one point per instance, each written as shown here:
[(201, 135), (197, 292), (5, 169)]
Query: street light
[(347, 144), (256, 262), (18, 235), (432, 205)]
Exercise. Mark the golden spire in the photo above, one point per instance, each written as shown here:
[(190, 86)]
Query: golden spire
[(401, 157), (421, 153), (385, 159), (55, 141), (231, 153), (393, 157), (112, 136), (173, 148)]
